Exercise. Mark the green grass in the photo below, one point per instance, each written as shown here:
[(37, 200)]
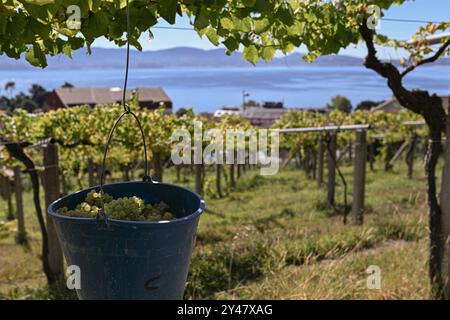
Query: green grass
[(403, 274), (273, 237)]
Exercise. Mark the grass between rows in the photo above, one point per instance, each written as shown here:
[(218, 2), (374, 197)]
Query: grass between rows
[(273, 237)]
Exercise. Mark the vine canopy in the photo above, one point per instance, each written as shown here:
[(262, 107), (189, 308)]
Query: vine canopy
[(38, 28)]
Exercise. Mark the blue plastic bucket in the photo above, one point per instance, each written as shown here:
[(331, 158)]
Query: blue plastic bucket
[(131, 259)]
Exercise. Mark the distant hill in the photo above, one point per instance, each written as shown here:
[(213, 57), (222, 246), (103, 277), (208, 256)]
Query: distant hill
[(181, 57)]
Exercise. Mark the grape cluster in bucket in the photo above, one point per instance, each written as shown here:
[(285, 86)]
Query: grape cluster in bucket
[(126, 208)]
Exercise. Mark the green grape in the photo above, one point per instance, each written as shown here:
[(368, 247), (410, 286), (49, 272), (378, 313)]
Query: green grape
[(125, 209), (153, 218), (161, 207), (63, 211), (167, 216), (94, 198), (85, 206), (158, 211), (149, 210), (132, 209), (139, 202)]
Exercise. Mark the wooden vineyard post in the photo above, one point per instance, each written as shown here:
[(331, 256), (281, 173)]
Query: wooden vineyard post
[(198, 178), (445, 218), (314, 164), (232, 178), (410, 156), (331, 157), (7, 194), (320, 158), (131, 172), (307, 163), (239, 167), (388, 162), (126, 173), (359, 180), (350, 151), (178, 171), (51, 190), (64, 186), (91, 176), (203, 175), (157, 167), (218, 180), (21, 236), (298, 159)]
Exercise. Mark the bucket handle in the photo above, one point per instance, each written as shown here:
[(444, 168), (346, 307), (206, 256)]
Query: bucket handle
[(146, 178), (127, 111)]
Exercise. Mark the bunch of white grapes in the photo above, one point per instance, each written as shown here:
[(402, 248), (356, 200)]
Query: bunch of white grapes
[(126, 208), (94, 199)]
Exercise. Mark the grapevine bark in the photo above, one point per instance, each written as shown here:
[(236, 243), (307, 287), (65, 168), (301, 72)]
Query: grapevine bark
[(16, 151), (431, 108)]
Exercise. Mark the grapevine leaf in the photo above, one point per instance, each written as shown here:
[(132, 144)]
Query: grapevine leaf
[(168, 10), (250, 54), (260, 26), (268, 53), (36, 57), (212, 36)]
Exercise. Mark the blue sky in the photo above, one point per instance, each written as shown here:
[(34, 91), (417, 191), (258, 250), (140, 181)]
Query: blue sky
[(429, 10)]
